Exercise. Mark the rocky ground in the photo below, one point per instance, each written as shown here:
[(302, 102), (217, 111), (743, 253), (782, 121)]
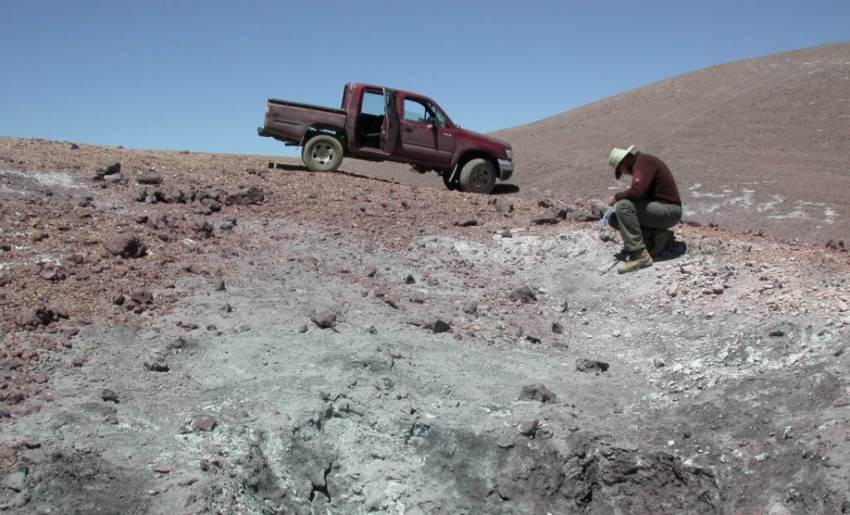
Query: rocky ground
[(195, 333)]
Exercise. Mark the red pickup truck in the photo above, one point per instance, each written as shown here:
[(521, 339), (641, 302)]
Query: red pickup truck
[(383, 124)]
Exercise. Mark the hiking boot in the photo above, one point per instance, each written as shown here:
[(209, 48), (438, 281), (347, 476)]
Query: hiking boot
[(660, 242), (638, 260)]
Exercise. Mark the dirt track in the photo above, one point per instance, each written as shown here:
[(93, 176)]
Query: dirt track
[(725, 383)]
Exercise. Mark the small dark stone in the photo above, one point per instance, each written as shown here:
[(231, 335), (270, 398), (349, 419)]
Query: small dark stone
[(150, 177), (228, 224), (252, 195), (523, 294), (550, 216), (557, 328), (109, 169), (109, 395), (227, 308), (156, 366), (439, 326), (536, 392), (127, 246), (142, 297), (469, 222), (589, 365), (409, 279)]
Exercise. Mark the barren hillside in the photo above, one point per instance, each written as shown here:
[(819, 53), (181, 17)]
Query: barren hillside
[(756, 145)]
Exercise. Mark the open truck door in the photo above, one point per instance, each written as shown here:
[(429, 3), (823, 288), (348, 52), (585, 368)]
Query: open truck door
[(390, 129)]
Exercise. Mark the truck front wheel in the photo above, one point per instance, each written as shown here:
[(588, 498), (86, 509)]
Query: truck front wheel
[(478, 176), (322, 153)]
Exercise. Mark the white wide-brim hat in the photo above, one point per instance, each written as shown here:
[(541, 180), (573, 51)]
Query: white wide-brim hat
[(617, 155)]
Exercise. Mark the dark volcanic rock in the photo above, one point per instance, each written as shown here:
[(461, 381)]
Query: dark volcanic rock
[(109, 396), (228, 224), (142, 297), (127, 246), (523, 294), (42, 315), (536, 392), (550, 216), (469, 222), (590, 365), (108, 169), (439, 326), (252, 195), (156, 366), (150, 177)]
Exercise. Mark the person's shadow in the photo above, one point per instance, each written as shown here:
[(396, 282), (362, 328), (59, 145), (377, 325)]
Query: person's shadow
[(675, 250)]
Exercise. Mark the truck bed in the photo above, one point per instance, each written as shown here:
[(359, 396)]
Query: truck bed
[(288, 121), (306, 106)]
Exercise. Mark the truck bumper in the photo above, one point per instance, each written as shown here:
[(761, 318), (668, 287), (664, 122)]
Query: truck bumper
[(506, 169)]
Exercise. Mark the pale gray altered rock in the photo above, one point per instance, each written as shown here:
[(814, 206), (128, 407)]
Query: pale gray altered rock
[(323, 318), (529, 427)]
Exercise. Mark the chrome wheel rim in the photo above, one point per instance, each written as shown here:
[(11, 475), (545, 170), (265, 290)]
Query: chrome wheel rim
[(322, 154)]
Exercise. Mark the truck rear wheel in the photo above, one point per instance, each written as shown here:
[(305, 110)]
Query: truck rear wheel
[(322, 153), (478, 176)]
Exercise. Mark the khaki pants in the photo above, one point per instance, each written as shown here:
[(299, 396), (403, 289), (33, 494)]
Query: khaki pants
[(639, 222)]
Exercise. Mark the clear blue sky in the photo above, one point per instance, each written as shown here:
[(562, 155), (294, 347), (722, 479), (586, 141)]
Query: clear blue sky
[(195, 74)]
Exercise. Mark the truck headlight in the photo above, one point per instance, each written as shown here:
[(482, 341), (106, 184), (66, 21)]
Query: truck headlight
[(510, 154)]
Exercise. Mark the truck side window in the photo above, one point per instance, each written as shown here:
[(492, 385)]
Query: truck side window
[(373, 103), (416, 111)]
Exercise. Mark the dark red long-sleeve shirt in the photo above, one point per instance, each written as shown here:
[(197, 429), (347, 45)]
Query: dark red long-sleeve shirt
[(651, 180)]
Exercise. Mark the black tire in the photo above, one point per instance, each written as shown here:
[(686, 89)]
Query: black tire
[(478, 176), (322, 153), (450, 185)]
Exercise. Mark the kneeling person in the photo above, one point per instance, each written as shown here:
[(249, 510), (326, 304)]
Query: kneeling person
[(647, 210)]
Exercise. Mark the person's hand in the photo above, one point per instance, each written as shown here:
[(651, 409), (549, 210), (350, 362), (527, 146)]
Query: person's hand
[(612, 200)]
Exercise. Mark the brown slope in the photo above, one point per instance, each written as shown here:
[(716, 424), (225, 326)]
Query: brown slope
[(755, 145), (762, 143)]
